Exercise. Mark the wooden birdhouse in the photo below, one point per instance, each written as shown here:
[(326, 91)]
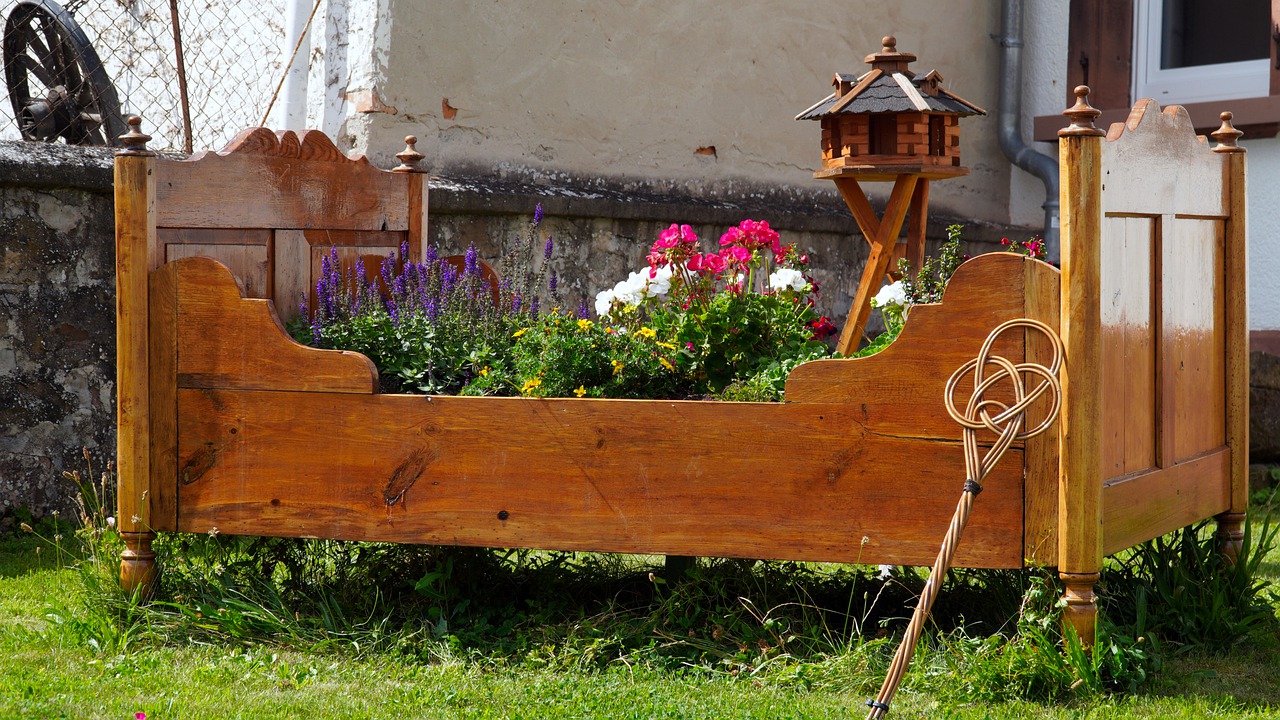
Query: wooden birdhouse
[(889, 121), (888, 124)]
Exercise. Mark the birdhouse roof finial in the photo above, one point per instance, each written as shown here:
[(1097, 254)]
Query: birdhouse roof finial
[(889, 59)]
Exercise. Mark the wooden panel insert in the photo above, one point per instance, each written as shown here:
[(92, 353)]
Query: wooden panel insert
[(1194, 339), (1128, 345)]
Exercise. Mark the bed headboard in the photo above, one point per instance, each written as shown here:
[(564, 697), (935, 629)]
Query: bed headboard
[(268, 217), (1155, 418)]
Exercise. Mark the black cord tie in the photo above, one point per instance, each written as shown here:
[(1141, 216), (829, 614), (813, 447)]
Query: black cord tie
[(973, 487), (878, 705)]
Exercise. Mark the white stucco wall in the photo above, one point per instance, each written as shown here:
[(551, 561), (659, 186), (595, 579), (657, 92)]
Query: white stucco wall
[(633, 90), (1264, 233)]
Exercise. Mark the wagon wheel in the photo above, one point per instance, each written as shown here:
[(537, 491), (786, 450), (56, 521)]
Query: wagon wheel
[(56, 82)]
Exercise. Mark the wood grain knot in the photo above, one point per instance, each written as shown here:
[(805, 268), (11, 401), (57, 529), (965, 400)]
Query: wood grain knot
[(406, 475), (200, 463)]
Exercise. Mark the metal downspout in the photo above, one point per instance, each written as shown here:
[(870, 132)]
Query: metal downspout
[(1010, 122)]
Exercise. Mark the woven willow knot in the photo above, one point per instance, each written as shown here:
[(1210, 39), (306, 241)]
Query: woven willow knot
[(1025, 382)]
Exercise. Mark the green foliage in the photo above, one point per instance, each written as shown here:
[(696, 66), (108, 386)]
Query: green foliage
[(1181, 589), (750, 338), (559, 355), (930, 281)]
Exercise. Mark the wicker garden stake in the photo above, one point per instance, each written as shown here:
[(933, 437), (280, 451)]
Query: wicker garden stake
[(1007, 422)]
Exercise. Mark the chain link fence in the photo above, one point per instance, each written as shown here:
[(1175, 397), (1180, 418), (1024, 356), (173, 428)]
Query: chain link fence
[(229, 55)]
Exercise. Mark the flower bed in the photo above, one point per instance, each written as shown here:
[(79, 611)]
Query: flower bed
[(729, 324)]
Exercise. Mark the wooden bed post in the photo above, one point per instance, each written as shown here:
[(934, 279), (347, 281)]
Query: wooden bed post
[(1080, 483), (411, 163), (135, 241), (1231, 523)]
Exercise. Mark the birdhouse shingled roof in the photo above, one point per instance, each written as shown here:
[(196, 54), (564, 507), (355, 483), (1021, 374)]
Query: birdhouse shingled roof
[(888, 87)]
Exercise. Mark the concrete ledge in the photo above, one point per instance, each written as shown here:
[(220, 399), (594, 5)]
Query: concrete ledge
[(46, 165)]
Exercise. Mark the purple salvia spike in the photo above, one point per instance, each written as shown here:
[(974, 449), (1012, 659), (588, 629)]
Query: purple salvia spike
[(537, 215), (516, 302), (533, 305), (552, 282), (472, 262), (546, 249), (404, 251), (583, 311), (431, 255)]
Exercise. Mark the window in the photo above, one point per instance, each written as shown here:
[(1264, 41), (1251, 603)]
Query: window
[(1205, 55), (1199, 50)]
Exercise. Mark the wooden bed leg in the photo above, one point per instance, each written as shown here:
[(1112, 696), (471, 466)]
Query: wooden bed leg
[(1082, 604), (1230, 535), (138, 563)]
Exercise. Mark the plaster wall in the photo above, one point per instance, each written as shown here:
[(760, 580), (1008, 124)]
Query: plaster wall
[(696, 93)]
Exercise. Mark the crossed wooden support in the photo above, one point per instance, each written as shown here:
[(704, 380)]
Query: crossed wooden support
[(910, 192)]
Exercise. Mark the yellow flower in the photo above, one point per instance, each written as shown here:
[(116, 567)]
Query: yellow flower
[(647, 332), (668, 346), (617, 367), (667, 364), (484, 371), (582, 390), (529, 385), (585, 325), (519, 332)]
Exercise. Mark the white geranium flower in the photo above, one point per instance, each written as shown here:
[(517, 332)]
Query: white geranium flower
[(788, 279), (604, 303), (885, 572), (891, 294)]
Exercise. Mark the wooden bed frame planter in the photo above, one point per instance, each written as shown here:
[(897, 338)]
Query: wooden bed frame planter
[(225, 423)]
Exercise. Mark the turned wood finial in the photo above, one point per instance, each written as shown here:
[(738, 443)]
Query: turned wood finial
[(135, 141), (410, 158), (1227, 135), (889, 59), (1082, 115)]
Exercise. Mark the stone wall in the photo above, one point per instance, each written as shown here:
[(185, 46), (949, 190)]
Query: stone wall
[(57, 322), (57, 348)]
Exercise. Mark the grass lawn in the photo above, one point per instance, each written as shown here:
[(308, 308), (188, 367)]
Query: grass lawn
[(57, 661)]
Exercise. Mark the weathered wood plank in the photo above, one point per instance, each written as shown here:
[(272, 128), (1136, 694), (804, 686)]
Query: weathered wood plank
[(267, 191), (227, 341), (1145, 506), (1193, 334), (802, 482), (1128, 345)]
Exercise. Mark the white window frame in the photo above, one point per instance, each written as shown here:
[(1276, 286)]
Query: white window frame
[(1201, 83)]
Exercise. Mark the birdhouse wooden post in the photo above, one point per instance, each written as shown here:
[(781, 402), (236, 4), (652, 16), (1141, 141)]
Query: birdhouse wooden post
[(888, 124)]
